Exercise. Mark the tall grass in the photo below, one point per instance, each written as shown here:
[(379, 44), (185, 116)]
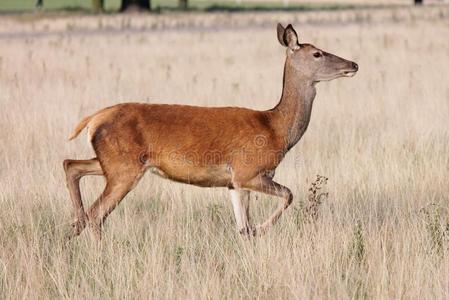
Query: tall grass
[(381, 138)]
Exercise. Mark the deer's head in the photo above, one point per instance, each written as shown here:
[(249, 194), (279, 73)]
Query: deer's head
[(310, 62)]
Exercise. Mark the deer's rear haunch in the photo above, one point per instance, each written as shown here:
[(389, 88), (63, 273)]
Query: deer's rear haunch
[(231, 147)]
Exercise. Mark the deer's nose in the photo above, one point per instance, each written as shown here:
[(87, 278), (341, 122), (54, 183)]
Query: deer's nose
[(355, 66)]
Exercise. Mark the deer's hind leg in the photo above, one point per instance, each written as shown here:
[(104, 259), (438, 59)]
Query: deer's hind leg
[(75, 170), (119, 182)]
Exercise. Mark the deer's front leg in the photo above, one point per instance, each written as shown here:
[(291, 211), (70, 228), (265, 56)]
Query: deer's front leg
[(266, 185), (240, 203)]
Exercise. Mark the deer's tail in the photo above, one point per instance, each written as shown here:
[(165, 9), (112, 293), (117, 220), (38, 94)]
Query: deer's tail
[(80, 127)]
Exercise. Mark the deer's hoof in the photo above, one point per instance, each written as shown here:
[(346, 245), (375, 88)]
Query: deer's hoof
[(248, 231), (260, 230), (78, 225)]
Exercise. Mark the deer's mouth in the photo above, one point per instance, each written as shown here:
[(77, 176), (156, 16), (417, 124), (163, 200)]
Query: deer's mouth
[(349, 73)]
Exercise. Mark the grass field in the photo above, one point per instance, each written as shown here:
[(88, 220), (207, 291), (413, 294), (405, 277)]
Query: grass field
[(381, 138), (113, 5)]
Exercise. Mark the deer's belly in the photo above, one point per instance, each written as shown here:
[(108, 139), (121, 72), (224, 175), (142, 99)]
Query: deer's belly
[(205, 176)]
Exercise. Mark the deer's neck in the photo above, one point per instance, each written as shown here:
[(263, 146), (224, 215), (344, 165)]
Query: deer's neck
[(293, 111)]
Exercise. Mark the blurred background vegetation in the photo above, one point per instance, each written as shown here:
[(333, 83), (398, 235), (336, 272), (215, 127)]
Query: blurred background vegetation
[(201, 5)]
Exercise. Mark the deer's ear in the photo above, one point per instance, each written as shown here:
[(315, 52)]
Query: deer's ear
[(281, 32), (291, 38)]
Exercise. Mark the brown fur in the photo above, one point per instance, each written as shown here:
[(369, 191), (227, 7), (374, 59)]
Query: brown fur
[(230, 147)]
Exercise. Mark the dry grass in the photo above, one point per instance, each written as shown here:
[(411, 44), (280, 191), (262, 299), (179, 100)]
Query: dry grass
[(381, 138)]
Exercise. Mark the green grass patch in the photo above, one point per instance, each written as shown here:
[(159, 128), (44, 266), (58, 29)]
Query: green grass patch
[(168, 5)]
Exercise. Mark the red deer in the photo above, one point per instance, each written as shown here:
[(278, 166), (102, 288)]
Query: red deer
[(232, 147)]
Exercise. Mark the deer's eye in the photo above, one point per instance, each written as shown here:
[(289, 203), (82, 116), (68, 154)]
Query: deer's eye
[(317, 54)]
